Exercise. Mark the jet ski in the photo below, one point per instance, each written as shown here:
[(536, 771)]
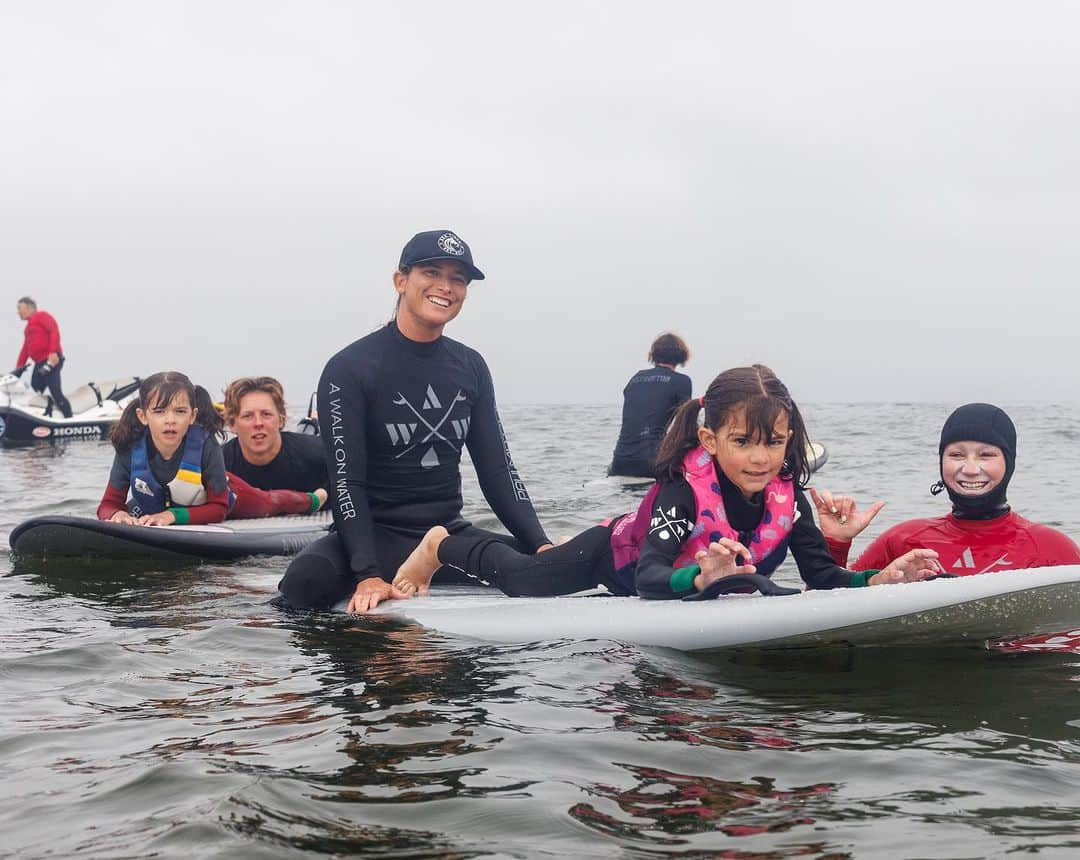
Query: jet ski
[(27, 417)]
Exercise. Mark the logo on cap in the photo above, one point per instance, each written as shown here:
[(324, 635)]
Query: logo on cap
[(451, 244)]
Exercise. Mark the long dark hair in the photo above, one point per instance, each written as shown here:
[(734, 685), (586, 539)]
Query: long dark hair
[(159, 390), (761, 396)]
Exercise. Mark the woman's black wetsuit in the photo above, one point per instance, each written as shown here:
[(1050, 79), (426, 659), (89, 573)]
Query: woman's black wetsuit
[(586, 561), (394, 416), (650, 398)]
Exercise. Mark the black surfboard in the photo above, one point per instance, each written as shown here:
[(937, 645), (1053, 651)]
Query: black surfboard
[(83, 537)]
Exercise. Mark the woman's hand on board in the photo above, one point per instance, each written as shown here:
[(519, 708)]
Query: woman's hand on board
[(839, 516), (720, 560), (912, 566), (122, 517), (371, 592)]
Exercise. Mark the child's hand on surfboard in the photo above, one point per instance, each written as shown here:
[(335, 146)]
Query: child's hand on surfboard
[(719, 560), (162, 518), (912, 566), (839, 516)]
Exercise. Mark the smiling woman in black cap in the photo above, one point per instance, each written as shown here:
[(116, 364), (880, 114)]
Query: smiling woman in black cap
[(396, 408), (982, 534)]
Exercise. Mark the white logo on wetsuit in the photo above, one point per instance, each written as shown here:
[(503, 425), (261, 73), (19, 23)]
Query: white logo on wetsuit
[(143, 487), (966, 561), (451, 244), (406, 433), (667, 525)]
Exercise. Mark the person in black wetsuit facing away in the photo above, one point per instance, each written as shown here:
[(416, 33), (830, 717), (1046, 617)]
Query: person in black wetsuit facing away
[(396, 408), (650, 399)]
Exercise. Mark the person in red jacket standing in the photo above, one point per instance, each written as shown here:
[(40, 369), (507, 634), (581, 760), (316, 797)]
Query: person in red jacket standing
[(41, 344), (982, 534)]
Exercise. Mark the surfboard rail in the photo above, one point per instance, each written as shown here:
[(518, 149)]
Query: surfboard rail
[(84, 537), (966, 610)]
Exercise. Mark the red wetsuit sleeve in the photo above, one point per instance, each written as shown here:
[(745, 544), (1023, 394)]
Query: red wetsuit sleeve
[(1055, 547), (875, 557), (115, 499), (252, 502), (839, 550), (214, 510)]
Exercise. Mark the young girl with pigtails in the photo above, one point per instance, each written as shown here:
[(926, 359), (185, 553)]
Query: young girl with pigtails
[(728, 500), (168, 467)]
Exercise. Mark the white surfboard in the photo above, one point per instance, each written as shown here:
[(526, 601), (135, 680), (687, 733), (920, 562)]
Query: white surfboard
[(967, 609)]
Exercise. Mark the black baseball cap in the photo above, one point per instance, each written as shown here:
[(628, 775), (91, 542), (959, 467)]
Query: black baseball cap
[(439, 245)]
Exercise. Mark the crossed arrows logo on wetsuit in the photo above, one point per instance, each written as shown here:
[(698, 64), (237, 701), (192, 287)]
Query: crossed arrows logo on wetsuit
[(403, 433), (667, 524)]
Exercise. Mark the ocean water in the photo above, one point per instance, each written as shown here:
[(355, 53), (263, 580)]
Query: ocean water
[(176, 713)]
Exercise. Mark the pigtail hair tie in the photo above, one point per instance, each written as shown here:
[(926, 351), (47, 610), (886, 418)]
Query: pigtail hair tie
[(701, 401)]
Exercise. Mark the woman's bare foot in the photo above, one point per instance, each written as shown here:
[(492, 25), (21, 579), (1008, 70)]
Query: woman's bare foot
[(414, 575)]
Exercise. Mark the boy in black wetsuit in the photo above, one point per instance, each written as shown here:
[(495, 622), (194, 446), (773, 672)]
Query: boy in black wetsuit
[(650, 399), (262, 452), (396, 408)]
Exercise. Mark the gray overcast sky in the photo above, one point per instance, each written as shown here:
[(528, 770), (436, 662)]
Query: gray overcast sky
[(880, 203)]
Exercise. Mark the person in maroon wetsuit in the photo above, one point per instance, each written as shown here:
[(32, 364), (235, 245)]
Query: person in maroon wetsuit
[(982, 533), (41, 344)]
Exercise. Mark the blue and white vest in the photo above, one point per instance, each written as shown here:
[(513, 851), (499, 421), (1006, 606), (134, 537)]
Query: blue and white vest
[(148, 496)]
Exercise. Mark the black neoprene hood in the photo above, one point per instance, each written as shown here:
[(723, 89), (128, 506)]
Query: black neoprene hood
[(980, 422)]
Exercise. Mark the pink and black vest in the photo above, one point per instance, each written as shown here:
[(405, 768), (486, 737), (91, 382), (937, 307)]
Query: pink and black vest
[(768, 543)]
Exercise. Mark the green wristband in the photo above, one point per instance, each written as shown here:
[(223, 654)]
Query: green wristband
[(314, 502), (181, 515), (682, 579), (862, 578)]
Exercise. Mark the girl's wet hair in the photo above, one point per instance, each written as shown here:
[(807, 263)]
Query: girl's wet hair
[(760, 396), (158, 391)]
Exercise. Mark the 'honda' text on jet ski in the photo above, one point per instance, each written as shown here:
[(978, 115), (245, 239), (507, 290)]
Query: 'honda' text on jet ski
[(27, 417)]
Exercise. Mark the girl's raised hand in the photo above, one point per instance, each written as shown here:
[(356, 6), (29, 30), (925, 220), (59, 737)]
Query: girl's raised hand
[(839, 516), (719, 560), (912, 566), (163, 518)]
